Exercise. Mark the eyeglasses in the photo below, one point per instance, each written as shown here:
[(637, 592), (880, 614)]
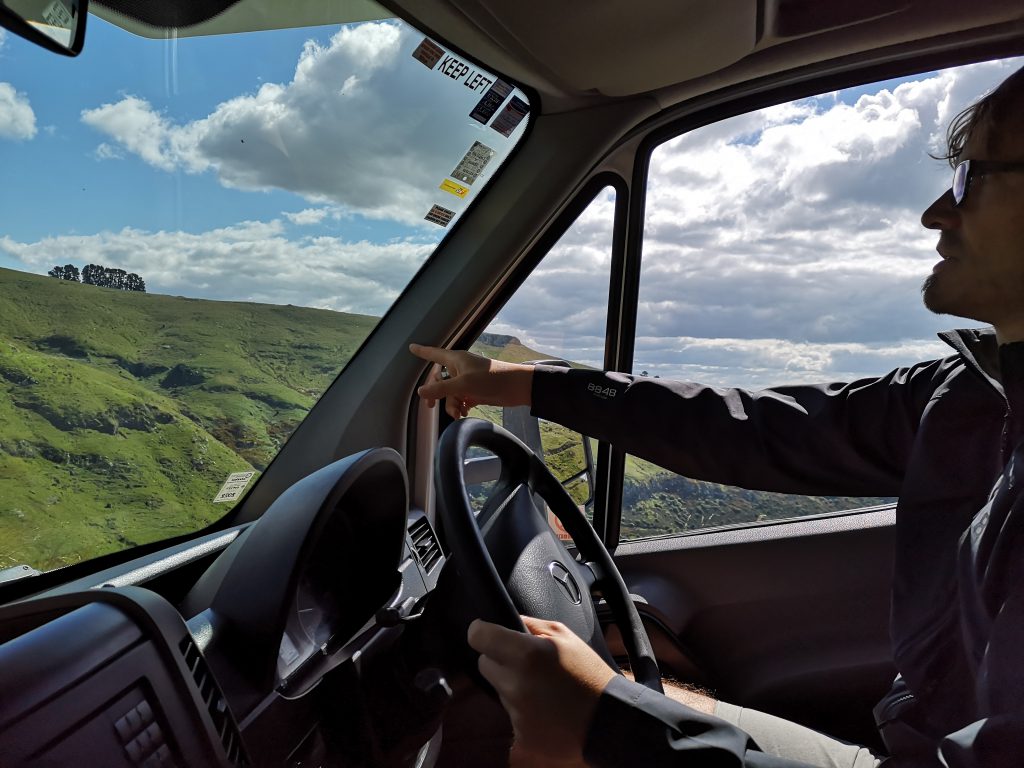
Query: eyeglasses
[(968, 169)]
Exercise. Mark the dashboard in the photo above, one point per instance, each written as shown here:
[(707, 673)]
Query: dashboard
[(304, 642)]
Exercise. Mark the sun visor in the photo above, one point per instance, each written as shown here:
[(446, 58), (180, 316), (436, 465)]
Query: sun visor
[(192, 18)]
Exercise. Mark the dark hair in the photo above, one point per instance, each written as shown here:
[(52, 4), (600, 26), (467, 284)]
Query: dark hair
[(995, 108)]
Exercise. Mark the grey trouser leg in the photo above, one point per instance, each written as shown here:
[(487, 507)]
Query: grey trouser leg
[(785, 739)]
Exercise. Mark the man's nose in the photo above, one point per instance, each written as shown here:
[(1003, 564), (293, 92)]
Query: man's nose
[(941, 214)]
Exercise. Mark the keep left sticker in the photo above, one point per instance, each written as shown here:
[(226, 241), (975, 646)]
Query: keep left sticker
[(233, 486)]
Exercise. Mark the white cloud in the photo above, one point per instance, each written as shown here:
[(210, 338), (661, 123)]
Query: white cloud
[(139, 129), (780, 246), (361, 125), (248, 261), (107, 152), (307, 216), (754, 363), (17, 120)]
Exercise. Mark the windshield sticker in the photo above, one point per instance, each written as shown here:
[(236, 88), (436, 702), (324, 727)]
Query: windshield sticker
[(511, 116), (454, 187), (428, 52), (488, 105), (472, 165), (439, 215), (233, 486), (289, 652), (459, 71)]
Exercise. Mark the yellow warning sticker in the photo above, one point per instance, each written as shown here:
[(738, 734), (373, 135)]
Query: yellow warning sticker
[(459, 190)]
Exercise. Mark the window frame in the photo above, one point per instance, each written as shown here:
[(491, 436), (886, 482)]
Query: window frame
[(707, 110), (568, 216)]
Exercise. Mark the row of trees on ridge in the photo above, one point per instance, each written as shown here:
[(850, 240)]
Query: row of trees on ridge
[(104, 277)]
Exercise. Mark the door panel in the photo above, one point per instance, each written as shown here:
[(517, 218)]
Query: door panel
[(789, 618)]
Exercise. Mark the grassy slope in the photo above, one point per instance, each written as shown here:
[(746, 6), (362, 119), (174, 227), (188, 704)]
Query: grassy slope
[(122, 413)]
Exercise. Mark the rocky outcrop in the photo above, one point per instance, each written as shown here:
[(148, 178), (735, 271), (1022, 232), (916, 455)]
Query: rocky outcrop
[(497, 340), (141, 369), (64, 345), (182, 375)]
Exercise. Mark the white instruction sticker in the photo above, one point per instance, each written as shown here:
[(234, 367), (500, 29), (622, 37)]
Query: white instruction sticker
[(473, 163), (233, 486)]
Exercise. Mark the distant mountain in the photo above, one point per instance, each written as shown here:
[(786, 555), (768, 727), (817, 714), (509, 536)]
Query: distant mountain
[(497, 340)]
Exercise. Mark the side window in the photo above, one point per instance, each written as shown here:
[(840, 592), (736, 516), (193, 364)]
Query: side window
[(784, 246), (558, 313)]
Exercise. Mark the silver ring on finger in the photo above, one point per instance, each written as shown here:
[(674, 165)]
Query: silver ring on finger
[(445, 373)]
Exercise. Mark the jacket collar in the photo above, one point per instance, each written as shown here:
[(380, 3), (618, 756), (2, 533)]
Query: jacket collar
[(979, 350)]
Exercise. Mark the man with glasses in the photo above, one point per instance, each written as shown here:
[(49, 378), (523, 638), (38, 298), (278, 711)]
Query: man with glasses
[(946, 436)]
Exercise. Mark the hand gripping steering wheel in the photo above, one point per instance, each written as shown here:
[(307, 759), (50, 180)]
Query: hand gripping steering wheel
[(511, 563)]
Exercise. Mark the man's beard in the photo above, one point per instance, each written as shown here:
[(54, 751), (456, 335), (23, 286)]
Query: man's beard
[(928, 295), (951, 301)]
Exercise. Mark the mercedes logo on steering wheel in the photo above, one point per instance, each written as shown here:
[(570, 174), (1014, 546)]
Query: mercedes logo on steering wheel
[(566, 582)]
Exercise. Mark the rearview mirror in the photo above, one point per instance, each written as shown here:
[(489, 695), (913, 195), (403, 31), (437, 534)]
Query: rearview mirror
[(57, 25)]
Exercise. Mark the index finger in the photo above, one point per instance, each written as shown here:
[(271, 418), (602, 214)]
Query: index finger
[(435, 355), (499, 643)]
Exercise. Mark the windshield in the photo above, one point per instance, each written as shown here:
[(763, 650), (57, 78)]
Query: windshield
[(198, 234)]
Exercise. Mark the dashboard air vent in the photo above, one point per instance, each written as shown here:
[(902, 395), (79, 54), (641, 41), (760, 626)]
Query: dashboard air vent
[(216, 705), (428, 551)]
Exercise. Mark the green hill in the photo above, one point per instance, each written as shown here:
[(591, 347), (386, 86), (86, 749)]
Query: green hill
[(121, 414)]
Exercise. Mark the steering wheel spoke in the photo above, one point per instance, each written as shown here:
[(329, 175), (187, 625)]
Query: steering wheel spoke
[(592, 574)]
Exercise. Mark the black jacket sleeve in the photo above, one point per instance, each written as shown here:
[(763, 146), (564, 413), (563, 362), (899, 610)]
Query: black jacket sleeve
[(840, 439), (633, 726)]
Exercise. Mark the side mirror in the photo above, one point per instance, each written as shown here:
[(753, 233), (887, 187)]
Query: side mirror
[(57, 25)]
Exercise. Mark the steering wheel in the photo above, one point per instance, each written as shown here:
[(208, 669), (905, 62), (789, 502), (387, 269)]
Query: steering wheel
[(511, 563)]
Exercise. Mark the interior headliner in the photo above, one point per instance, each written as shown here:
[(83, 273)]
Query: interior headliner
[(573, 56)]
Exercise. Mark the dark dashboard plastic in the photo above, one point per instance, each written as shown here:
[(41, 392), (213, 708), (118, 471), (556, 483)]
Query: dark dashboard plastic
[(110, 681), (115, 676)]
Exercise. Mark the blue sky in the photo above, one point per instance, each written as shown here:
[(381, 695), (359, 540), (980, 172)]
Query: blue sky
[(187, 78), (348, 136)]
